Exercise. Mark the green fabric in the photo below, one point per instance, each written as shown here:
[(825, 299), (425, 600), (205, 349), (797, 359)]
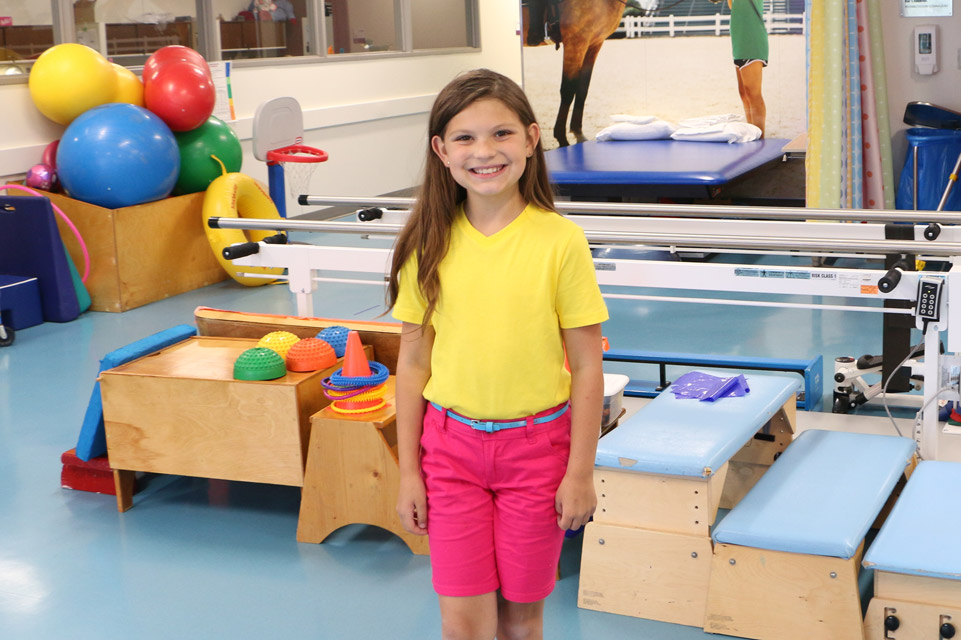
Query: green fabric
[(881, 100), (748, 34)]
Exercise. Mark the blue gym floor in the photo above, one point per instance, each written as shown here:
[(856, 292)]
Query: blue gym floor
[(207, 559)]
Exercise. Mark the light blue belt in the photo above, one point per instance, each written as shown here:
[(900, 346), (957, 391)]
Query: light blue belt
[(492, 426)]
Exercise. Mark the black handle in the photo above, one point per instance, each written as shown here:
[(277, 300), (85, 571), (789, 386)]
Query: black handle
[(890, 280), (241, 250), (279, 238), (374, 213), (932, 231)]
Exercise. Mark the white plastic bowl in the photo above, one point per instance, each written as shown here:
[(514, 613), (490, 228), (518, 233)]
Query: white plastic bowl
[(614, 384)]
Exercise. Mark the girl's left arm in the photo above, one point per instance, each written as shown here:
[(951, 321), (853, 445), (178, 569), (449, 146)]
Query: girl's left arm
[(576, 499)]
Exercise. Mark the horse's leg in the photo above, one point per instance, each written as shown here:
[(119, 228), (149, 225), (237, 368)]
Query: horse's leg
[(580, 96), (573, 58)]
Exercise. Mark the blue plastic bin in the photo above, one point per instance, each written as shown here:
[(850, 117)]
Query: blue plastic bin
[(937, 153)]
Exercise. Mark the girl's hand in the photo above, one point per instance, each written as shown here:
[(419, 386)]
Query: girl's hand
[(575, 501), (412, 504)]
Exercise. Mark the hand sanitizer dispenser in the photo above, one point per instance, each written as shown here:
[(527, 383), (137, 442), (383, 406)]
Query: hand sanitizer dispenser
[(926, 49)]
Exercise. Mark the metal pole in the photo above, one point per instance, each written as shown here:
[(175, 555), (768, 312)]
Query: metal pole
[(915, 154), (633, 237), (951, 180), (682, 211)]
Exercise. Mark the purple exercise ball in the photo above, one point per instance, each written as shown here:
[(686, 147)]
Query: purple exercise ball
[(41, 176)]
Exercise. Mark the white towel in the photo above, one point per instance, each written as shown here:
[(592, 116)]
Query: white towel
[(726, 132), (623, 117), (705, 121), (656, 130)]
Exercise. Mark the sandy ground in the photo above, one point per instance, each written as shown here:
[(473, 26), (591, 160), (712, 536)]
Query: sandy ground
[(673, 79)]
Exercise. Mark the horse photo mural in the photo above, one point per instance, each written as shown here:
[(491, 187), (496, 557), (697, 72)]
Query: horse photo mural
[(671, 59)]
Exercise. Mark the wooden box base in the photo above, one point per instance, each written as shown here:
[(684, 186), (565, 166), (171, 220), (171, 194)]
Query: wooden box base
[(179, 411), (773, 595), (142, 253)]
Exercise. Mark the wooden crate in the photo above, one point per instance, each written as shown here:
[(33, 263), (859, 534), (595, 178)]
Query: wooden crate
[(140, 254), (179, 411)]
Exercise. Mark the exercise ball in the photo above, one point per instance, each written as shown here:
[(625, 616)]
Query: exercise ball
[(118, 155), (50, 154), (41, 176), (197, 168), (129, 87), (172, 53), (182, 94), (68, 79)]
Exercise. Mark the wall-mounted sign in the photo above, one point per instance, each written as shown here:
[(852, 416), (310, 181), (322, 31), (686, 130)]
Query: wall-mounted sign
[(926, 8)]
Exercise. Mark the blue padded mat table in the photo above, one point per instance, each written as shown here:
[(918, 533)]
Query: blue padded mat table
[(920, 536), (693, 438), (821, 496), (660, 168)]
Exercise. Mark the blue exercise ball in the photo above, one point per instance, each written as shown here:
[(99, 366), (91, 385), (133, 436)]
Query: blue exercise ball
[(118, 155)]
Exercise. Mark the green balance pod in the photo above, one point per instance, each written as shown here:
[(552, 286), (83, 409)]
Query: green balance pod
[(259, 363)]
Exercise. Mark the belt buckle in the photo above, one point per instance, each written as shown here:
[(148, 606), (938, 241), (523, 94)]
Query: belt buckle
[(484, 425)]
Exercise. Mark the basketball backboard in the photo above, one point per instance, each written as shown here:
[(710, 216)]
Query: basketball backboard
[(277, 123)]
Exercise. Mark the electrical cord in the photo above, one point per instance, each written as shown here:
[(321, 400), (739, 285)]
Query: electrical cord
[(884, 389)]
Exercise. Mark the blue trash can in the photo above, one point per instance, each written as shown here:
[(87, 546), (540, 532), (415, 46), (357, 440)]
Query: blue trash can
[(937, 152)]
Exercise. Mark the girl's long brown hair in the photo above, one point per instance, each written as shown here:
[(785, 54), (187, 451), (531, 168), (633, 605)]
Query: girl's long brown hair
[(427, 232)]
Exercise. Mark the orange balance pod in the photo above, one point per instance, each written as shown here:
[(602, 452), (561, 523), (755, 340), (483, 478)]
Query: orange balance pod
[(279, 341), (355, 360), (310, 354)]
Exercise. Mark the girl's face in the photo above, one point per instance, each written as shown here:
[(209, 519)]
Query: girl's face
[(486, 148)]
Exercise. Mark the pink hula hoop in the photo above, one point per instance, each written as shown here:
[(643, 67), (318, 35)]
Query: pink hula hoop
[(83, 245)]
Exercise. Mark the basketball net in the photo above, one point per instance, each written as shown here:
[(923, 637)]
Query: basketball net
[(299, 163)]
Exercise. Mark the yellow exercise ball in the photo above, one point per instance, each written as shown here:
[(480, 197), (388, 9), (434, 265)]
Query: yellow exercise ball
[(69, 79), (129, 86)]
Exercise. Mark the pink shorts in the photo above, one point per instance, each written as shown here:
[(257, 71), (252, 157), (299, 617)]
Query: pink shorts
[(490, 505)]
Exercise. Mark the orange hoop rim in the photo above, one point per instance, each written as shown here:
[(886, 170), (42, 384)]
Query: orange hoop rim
[(290, 154)]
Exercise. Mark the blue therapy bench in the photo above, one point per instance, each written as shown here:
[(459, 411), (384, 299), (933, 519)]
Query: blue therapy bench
[(916, 558), (661, 477), (786, 557), (808, 397)]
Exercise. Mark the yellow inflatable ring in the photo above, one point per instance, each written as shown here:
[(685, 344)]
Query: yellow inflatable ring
[(235, 195)]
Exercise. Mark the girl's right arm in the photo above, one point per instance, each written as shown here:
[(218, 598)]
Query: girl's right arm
[(413, 372)]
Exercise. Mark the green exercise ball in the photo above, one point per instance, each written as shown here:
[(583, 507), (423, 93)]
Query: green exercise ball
[(197, 168)]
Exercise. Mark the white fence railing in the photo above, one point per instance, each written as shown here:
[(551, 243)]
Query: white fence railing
[(718, 24)]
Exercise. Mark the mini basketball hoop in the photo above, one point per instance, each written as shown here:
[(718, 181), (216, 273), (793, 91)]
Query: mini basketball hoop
[(298, 162)]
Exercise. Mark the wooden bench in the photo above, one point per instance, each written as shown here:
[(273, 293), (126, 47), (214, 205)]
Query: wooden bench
[(916, 559), (786, 558), (660, 478)]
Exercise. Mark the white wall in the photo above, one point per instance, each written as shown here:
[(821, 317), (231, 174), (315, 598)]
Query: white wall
[(370, 115), (904, 84)]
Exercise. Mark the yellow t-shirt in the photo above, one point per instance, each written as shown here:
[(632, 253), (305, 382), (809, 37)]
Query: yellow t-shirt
[(498, 352)]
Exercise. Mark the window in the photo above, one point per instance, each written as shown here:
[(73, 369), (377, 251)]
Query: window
[(262, 28), (128, 32), (26, 31), (441, 24), (357, 26)]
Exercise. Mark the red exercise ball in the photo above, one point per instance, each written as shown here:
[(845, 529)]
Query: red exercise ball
[(172, 53), (181, 94)]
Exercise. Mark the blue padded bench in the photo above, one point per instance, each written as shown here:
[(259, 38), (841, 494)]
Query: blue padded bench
[(786, 558), (808, 398), (660, 477), (916, 558)]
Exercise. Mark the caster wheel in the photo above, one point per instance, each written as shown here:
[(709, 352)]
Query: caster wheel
[(6, 336)]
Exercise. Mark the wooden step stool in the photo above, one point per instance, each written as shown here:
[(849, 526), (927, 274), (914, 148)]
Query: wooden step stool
[(352, 474)]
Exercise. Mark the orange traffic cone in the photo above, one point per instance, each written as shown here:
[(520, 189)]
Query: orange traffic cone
[(355, 360)]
